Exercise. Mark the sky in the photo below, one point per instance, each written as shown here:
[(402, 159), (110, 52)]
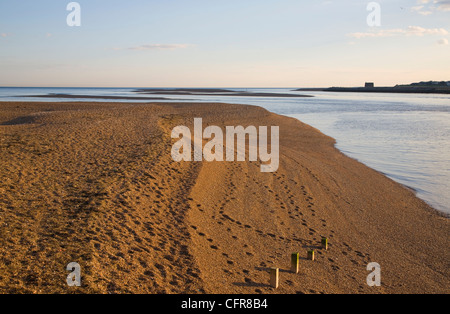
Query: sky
[(223, 43)]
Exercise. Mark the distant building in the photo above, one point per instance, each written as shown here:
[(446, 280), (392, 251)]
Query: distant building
[(370, 85)]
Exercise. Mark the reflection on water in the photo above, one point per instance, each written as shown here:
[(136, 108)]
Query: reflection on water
[(406, 137), (412, 148)]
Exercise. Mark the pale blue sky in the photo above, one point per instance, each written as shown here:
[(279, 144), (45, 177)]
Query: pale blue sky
[(223, 43)]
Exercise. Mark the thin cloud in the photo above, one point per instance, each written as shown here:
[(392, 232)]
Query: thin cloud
[(443, 5), (4, 35), (443, 42), (410, 31), (419, 9), (427, 7), (157, 47), (420, 31)]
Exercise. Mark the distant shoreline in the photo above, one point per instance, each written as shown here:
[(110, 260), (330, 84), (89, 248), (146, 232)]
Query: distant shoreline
[(68, 96), (393, 90), (212, 92), (172, 92)]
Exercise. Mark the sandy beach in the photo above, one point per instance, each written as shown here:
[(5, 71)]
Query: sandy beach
[(94, 183)]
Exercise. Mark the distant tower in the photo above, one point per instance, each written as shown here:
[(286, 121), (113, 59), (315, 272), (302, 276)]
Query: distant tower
[(370, 85)]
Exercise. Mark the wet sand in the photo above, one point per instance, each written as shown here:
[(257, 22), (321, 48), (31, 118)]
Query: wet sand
[(95, 183), (215, 92)]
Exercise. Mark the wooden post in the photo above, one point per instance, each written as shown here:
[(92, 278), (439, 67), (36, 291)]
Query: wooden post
[(325, 243), (274, 277), (295, 262), (311, 255)]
